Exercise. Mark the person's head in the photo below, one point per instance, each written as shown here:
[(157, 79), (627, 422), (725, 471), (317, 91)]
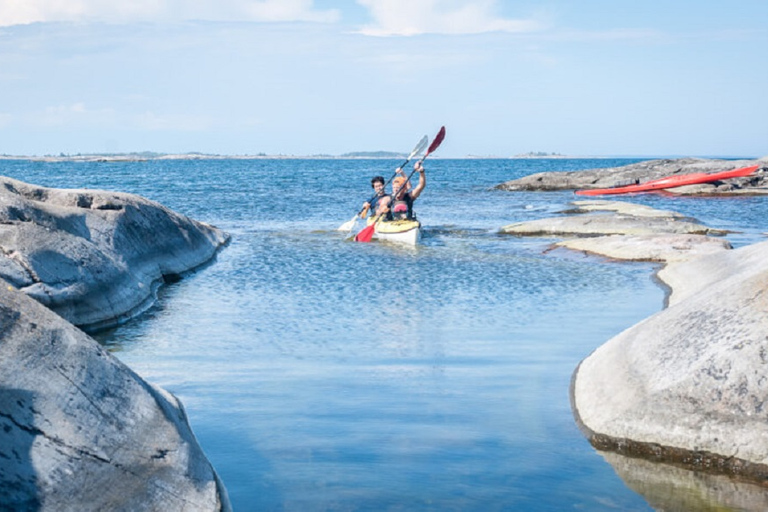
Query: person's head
[(397, 184), (377, 182)]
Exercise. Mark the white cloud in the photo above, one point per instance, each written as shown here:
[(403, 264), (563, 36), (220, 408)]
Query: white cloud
[(413, 17), (17, 12), (75, 114)]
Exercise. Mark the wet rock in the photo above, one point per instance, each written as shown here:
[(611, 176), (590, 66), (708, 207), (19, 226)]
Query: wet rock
[(95, 257), (81, 431)]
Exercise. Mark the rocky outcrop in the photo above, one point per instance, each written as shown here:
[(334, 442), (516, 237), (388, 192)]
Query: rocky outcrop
[(689, 383), (649, 170), (625, 231), (81, 431), (95, 257)]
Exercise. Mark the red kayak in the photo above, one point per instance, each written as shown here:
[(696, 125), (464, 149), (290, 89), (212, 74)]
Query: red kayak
[(671, 182)]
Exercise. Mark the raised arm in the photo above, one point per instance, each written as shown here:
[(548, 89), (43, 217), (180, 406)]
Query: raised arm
[(416, 192)]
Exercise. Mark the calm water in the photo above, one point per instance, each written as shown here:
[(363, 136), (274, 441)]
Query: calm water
[(320, 374)]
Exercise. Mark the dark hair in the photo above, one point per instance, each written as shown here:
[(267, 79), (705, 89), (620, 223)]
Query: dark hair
[(380, 179)]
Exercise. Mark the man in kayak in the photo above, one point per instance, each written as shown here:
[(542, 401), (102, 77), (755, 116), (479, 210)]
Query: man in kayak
[(377, 183), (400, 204)]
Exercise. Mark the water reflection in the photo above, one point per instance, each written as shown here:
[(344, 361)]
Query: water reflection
[(671, 489)]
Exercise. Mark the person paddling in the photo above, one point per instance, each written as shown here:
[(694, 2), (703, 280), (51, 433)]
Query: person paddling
[(377, 183), (399, 205)]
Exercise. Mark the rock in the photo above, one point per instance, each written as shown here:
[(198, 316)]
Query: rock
[(95, 257), (660, 248), (642, 172), (689, 384), (81, 431), (623, 208), (597, 224), (695, 276)]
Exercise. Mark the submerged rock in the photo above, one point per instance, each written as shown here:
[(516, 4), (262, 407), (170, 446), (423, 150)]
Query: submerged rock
[(645, 171), (81, 431), (95, 257)]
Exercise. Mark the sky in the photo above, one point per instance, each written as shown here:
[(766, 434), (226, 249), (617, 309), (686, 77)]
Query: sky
[(303, 77)]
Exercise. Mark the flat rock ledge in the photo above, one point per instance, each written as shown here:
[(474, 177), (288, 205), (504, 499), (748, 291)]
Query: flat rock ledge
[(756, 184), (81, 431), (96, 258), (625, 231)]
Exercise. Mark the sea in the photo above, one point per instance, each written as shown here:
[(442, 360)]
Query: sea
[(323, 374)]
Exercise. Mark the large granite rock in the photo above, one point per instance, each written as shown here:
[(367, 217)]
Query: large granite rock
[(689, 384), (80, 431), (95, 257), (645, 171)]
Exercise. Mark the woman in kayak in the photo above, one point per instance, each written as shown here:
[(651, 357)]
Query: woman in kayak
[(400, 204)]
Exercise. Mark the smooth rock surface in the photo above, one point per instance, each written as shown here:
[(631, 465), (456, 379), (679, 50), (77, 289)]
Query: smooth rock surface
[(95, 257), (597, 224), (623, 208), (661, 248), (690, 382), (645, 171), (80, 431)]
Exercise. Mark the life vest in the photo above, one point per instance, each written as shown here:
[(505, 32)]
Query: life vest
[(401, 208), (375, 202)]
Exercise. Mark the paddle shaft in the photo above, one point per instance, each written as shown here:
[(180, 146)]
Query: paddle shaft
[(432, 147)]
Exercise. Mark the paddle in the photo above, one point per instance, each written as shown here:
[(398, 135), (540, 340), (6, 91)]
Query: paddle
[(366, 233), (347, 226)]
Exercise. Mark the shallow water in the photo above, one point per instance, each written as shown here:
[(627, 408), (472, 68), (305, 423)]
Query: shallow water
[(321, 374)]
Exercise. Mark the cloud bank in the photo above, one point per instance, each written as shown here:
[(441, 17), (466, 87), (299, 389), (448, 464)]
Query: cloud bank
[(18, 12), (415, 17)]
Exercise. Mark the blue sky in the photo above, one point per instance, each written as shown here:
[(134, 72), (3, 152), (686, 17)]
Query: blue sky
[(298, 77)]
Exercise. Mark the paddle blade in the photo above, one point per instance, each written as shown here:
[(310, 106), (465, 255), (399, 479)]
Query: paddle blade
[(347, 226), (365, 234), (419, 148), (438, 140)]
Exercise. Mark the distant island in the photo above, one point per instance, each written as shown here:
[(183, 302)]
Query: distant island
[(142, 156), (540, 154)]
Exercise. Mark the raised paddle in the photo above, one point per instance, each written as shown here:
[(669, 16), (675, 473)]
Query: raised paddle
[(366, 233), (347, 226)]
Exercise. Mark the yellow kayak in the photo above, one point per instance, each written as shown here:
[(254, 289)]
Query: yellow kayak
[(399, 231)]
